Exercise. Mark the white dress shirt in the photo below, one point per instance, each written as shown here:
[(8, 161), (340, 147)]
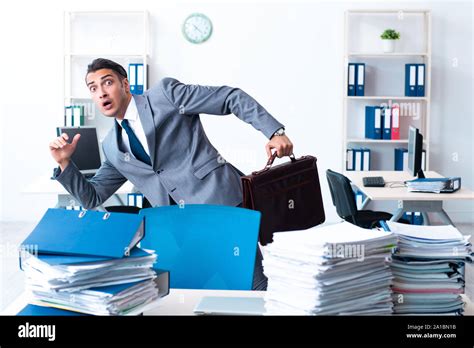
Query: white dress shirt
[(134, 121)]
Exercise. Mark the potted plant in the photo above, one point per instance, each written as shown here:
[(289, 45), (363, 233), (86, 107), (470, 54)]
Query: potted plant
[(388, 38)]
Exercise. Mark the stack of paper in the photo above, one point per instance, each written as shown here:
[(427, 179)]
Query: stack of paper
[(93, 285), (428, 269), (329, 270)]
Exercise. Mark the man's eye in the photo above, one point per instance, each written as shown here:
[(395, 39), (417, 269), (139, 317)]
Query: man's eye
[(108, 82), (92, 89)]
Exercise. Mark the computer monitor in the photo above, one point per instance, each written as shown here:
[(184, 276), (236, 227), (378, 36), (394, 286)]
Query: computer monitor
[(415, 152), (87, 154)]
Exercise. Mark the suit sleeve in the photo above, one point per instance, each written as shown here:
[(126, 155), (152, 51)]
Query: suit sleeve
[(90, 193), (223, 100)]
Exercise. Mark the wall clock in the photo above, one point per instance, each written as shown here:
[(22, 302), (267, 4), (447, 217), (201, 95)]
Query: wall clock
[(197, 28)]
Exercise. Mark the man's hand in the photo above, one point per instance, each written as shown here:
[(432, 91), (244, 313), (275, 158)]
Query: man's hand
[(61, 150), (282, 145)]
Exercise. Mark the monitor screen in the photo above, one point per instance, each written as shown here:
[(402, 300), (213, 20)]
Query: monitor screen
[(87, 154), (415, 149)]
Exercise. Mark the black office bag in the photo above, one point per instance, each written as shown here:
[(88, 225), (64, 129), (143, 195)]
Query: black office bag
[(288, 196)]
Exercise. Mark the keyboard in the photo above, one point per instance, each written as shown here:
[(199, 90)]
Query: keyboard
[(373, 181)]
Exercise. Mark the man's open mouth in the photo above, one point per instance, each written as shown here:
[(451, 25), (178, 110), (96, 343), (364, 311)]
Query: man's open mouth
[(107, 105)]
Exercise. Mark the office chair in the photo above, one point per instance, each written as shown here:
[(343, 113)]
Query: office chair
[(343, 199)]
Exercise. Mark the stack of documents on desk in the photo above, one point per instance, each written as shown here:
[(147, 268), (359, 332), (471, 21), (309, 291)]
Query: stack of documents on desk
[(428, 269), (92, 285), (91, 272), (329, 270), (434, 185)]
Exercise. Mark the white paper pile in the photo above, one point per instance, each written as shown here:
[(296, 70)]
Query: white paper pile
[(329, 270), (428, 269), (92, 285)]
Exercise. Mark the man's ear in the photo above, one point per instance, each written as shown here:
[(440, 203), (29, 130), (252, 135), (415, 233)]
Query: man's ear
[(126, 85)]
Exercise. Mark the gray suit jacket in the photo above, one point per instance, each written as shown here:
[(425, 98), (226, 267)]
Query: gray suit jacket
[(185, 165)]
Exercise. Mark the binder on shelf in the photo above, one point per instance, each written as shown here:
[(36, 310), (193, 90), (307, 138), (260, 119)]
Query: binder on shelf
[(357, 159), (395, 122), (350, 159), (420, 80), (132, 78), (136, 76), (417, 218), (360, 75), (387, 123), (401, 159), (135, 199), (94, 233), (68, 117), (410, 80), (351, 79), (140, 78), (74, 116), (365, 159), (373, 122), (359, 198)]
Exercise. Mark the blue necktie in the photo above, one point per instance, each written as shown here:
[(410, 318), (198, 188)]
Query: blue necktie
[(137, 147)]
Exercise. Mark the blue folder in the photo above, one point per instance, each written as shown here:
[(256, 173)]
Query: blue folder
[(204, 246), (373, 122), (420, 80), (410, 80), (70, 232), (351, 79), (399, 153), (360, 85), (35, 310)]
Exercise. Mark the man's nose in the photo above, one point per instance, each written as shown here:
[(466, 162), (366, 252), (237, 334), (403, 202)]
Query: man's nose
[(102, 93)]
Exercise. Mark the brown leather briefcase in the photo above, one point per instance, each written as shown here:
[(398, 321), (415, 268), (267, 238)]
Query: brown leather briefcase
[(288, 196)]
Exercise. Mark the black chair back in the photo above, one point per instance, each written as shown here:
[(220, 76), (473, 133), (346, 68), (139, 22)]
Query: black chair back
[(342, 195)]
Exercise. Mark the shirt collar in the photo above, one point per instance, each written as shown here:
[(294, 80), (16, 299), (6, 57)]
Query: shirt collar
[(132, 111)]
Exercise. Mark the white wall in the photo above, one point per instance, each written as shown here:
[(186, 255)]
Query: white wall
[(286, 54)]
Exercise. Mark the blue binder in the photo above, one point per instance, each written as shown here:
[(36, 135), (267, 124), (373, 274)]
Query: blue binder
[(360, 85), (420, 80), (373, 122), (350, 159), (387, 123), (351, 79), (365, 165), (399, 155), (70, 232), (34, 310), (204, 246), (417, 218), (410, 80), (140, 78)]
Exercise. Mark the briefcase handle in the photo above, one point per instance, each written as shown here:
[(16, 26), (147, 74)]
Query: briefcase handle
[(270, 162)]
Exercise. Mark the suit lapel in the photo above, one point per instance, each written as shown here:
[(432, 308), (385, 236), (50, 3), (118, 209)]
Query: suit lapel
[(146, 119)]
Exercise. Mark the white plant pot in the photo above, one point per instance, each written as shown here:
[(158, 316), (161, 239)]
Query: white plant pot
[(388, 46)]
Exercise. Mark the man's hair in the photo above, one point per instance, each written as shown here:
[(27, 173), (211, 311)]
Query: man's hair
[(102, 63)]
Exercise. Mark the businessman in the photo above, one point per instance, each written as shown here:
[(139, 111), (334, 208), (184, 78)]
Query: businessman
[(158, 143)]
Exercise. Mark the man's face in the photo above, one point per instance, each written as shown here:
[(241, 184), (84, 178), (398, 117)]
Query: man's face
[(108, 92)]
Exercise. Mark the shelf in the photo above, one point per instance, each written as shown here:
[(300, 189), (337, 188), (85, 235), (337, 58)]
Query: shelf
[(387, 55), (379, 141), (387, 97)]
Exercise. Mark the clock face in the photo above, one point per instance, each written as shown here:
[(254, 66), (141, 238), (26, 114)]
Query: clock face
[(197, 28)]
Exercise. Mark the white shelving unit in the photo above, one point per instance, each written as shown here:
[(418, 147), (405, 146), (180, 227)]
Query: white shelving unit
[(122, 36), (385, 75)]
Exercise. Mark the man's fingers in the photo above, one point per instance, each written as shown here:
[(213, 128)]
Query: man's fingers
[(53, 146), (65, 136), (268, 149), (61, 141), (75, 139)]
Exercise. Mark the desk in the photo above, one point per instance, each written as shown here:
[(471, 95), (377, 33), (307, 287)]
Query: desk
[(44, 185), (183, 301), (408, 201)]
